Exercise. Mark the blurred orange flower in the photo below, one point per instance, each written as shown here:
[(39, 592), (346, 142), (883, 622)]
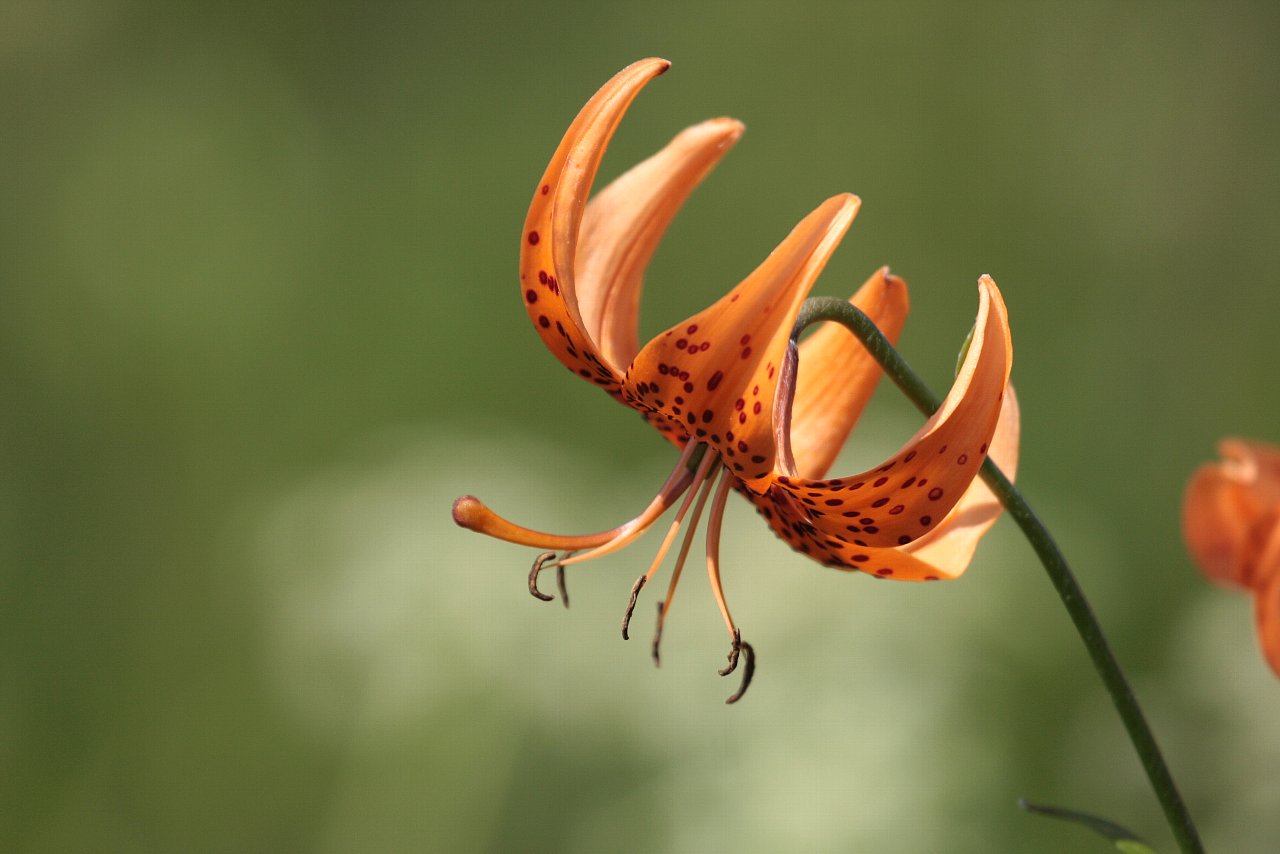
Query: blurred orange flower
[(723, 384), (1231, 522)]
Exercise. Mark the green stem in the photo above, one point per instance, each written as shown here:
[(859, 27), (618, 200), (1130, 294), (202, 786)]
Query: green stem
[(818, 309)]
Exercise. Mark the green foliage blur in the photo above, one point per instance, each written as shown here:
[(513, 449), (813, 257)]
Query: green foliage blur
[(259, 325)]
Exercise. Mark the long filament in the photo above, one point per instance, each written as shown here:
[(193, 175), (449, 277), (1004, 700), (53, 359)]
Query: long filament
[(713, 549), (684, 549), (701, 475)]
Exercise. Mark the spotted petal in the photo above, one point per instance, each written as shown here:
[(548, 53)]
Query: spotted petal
[(950, 546), (716, 373), (1223, 506), (581, 264), (910, 494), (837, 376)]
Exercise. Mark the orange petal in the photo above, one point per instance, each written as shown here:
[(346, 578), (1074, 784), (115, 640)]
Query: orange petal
[(1267, 613), (549, 242), (716, 373), (837, 376), (1223, 505), (791, 522), (622, 226), (950, 546), (898, 502)]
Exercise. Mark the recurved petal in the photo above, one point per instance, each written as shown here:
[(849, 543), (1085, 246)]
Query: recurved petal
[(622, 226), (792, 522), (950, 546), (716, 373), (1223, 505), (837, 376), (549, 243), (901, 500)]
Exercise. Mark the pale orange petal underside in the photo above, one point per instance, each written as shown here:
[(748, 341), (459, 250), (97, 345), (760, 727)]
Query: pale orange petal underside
[(716, 373), (622, 226), (838, 376)]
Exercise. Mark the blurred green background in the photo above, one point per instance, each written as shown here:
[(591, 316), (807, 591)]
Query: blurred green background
[(259, 326)]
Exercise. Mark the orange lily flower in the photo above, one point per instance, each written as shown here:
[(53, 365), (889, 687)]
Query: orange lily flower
[(724, 385), (1231, 522)]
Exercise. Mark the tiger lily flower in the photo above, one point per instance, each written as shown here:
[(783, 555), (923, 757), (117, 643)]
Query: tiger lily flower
[(1231, 523), (726, 386)]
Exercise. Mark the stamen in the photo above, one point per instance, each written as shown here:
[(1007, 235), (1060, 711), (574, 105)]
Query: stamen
[(688, 487), (713, 572), (631, 604), (564, 591), (734, 649), (470, 512), (533, 576), (748, 669), (680, 559), (657, 634), (701, 476), (713, 549)]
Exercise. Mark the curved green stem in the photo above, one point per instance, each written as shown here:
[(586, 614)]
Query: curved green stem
[(818, 309)]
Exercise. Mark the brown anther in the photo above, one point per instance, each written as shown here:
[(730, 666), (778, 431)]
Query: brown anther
[(533, 577), (748, 669), (734, 649), (657, 636), (564, 591), (631, 604)]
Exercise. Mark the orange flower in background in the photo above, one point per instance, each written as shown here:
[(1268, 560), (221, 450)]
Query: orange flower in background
[(1231, 522), (747, 411)]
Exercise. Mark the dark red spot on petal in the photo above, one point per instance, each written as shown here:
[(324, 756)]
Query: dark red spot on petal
[(935, 493), (714, 381), (544, 322), (531, 295), (880, 481), (896, 509), (533, 238)]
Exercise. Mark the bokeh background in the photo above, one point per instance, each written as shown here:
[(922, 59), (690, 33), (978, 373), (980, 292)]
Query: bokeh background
[(259, 326)]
